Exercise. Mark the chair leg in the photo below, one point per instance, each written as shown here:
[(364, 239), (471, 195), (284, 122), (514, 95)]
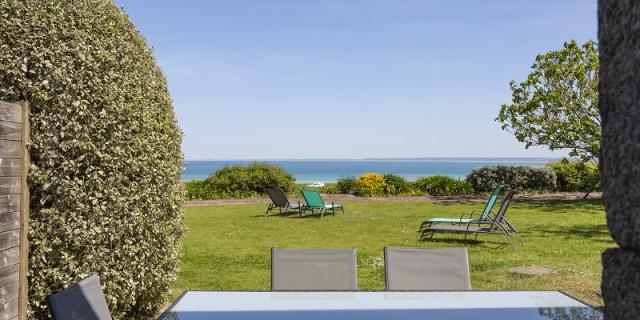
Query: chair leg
[(519, 238), (513, 246), (507, 235), (268, 209)]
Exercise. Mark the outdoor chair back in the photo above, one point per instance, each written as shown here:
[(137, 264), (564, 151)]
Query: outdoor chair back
[(491, 203), (313, 199), (84, 300), (313, 269), (278, 197), (496, 223), (426, 269)]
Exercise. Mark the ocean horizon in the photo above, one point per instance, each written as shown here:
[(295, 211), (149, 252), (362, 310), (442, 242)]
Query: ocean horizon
[(330, 170)]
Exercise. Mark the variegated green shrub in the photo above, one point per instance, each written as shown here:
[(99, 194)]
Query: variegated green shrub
[(105, 183)]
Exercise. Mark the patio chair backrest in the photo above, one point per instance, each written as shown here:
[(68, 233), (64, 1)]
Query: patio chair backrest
[(84, 300), (313, 269), (426, 269), (491, 203), (503, 210), (278, 197), (313, 199)]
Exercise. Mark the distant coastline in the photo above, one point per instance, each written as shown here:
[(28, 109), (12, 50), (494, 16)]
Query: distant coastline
[(329, 170)]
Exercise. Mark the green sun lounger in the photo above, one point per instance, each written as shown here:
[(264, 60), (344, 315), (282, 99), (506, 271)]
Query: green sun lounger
[(488, 209), (315, 202), (495, 225)]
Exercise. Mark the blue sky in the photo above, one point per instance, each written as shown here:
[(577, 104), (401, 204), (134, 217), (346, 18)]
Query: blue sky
[(259, 79)]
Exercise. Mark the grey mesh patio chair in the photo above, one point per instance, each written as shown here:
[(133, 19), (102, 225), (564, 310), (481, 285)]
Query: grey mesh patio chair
[(279, 200), (313, 269), (495, 225), (84, 300), (426, 269)]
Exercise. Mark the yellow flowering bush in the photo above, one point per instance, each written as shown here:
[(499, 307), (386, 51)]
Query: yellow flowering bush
[(370, 184)]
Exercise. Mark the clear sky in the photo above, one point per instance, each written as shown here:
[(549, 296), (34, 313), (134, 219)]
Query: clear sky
[(258, 79)]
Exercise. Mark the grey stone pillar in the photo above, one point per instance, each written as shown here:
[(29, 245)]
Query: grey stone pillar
[(619, 44)]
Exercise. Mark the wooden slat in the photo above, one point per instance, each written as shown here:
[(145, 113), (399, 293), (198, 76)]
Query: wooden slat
[(9, 239), (10, 149), (10, 131), (10, 185), (9, 275), (23, 300), (10, 112), (9, 309), (9, 257), (10, 167), (9, 221), (8, 293), (9, 203)]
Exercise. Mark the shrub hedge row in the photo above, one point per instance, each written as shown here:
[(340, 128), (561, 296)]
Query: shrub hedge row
[(240, 182), (105, 172), (572, 175), (521, 178), (443, 186), (564, 176)]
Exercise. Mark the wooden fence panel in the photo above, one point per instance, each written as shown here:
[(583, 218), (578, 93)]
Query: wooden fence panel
[(14, 209)]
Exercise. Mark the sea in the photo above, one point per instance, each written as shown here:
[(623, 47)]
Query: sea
[(330, 170)]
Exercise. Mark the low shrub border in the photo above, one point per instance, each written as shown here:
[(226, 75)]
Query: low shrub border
[(558, 176)]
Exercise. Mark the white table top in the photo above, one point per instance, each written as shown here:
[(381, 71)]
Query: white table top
[(475, 305)]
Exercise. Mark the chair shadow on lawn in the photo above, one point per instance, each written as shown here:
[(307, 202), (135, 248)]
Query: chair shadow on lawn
[(289, 215), (470, 242)]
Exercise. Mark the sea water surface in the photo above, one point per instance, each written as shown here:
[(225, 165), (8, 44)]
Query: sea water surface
[(330, 170)]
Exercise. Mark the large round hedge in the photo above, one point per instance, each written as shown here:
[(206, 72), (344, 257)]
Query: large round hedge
[(105, 151)]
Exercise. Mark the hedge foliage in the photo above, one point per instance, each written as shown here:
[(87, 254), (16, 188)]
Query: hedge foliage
[(566, 175), (395, 185), (370, 184), (241, 182), (443, 186), (575, 176), (520, 178), (346, 185), (105, 186)]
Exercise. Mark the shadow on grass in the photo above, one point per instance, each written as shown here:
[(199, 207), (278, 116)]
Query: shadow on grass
[(587, 231), (292, 215), (563, 206), (470, 242)]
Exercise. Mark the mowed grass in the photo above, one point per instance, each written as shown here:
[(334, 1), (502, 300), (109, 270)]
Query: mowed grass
[(228, 247)]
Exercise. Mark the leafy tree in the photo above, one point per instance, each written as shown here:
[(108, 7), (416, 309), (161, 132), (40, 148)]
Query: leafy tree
[(557, 105)]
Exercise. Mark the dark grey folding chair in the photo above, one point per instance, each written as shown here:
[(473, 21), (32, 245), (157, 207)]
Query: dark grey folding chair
[(279, 200), (495, 225), (426, 269), (313, 269), (83, 300)]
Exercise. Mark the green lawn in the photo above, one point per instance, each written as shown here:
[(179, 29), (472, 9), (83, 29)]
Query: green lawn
[(228, 247)]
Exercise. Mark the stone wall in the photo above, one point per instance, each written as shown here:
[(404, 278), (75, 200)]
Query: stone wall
[(619, 42)]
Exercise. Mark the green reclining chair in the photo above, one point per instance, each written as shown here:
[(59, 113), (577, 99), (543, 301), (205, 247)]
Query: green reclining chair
[(488, 209), (314, 201)]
